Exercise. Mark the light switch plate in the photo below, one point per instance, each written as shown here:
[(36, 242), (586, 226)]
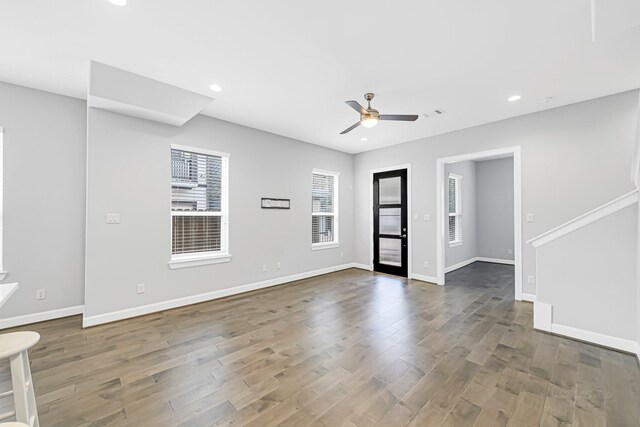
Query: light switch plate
[(141, 288), (427, 217), (530, 218), (113, 218), (41, 294)]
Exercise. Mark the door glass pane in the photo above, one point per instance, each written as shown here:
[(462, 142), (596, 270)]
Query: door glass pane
[(390, 251), (390, 191), (390, 221)]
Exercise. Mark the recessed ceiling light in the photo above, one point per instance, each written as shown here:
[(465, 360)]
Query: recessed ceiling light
[(118, 2), (216, 88), (514, 98), (364, 139)]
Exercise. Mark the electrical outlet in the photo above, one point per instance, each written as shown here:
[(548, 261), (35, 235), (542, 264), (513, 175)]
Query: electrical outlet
[(41, 293), (415, 217), (531, 280), (427, 217), (426, 264), (278, 265), (265, 267), (510, 251), (530, 218), (113, 218), (141, 288)]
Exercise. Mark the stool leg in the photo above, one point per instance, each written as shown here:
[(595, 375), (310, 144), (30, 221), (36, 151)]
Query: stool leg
[(19, 381), (32, 406), (23, 390)]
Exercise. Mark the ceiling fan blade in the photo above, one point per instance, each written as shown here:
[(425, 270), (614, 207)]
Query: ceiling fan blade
[(401, 117), (356, 106), (350, 128)]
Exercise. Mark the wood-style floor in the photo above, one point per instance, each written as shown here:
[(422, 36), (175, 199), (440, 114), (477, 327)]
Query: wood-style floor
[(346, 349)]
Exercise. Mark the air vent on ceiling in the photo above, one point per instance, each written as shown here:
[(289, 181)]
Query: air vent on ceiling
[(434, 113)]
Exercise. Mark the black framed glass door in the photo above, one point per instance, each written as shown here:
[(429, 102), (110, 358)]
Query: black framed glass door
[(390, 252)]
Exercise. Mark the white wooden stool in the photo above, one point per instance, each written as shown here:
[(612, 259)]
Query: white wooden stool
[(14, 346)]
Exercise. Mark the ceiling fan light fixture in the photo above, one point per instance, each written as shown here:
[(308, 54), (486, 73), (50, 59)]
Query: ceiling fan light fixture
[(369, 117), (369, 122)]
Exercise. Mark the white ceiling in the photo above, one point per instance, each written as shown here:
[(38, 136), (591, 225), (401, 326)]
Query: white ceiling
[(287, 66)]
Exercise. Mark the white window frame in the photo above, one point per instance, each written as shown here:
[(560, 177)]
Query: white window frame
[(458, 213), (204, 258), (336, 210)]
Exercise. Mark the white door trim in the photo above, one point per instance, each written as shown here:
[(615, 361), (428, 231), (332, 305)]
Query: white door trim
[(406, 166), (517, 208)]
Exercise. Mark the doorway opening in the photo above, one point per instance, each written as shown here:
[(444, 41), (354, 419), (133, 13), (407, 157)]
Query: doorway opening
[(390, 201), (479, 211)]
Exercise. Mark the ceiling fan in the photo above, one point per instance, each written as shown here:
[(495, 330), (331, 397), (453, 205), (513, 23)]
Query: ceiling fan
[(369, 116)]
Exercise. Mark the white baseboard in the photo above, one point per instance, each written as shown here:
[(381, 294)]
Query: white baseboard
[(543, 320), (27, 319), (423, 278), (496, 260), (528, 297), (459, 265), (362, 266), (208, 296), (596, 338)]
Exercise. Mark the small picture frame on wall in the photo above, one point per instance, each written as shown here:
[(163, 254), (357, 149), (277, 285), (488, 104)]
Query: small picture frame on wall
[(271, 203)]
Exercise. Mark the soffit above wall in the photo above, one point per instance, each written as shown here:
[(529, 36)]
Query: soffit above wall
[(122, 92)]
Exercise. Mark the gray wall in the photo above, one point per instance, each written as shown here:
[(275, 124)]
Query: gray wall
[(44, 198), (589, 276), (494, 207), (574, 159), (129, 173), (469, 247)]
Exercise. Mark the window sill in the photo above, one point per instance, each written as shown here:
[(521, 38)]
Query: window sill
[(323, 246), (197, 261), (454, 244), (6, 290)]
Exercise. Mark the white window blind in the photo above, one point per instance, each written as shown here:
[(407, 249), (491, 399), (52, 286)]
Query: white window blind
[(199, 211), (455, 212), (324, 208)]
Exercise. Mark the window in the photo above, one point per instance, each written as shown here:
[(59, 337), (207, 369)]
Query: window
[(324, 210), (455, 212), (199, 207), (3, 273)]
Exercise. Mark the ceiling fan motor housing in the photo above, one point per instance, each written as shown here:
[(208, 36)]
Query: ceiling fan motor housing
[(371, 113)]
